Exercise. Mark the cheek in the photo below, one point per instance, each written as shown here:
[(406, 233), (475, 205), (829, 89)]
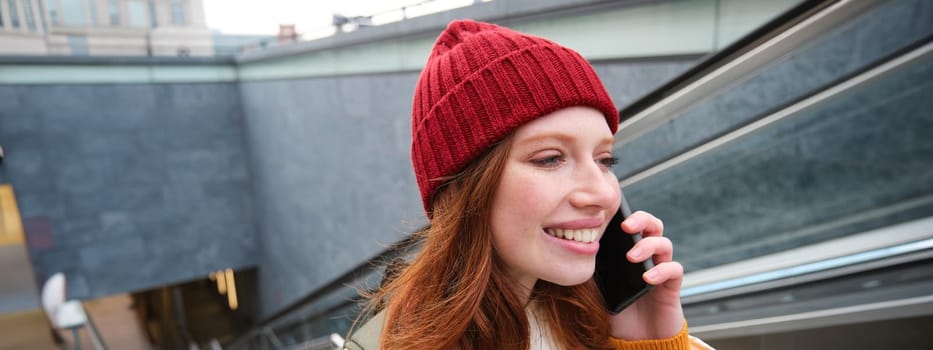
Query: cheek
[(519, 209), (523, 195)]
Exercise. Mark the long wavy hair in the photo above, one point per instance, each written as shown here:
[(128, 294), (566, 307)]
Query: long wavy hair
[(456, 293)]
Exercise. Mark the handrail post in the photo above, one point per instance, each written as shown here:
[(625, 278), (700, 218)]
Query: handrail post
[(92, 331)]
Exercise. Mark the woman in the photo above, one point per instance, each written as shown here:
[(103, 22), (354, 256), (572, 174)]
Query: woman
[(512, 141)]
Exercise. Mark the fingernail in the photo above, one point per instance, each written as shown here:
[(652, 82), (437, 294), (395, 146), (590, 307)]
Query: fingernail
[(635, 253), (651, 275)]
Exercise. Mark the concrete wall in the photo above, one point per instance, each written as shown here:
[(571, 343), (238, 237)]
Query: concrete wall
[(333, 176), (129, 186)]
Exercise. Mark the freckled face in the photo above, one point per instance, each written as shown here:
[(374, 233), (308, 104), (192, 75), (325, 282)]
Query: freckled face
[(556, 195)]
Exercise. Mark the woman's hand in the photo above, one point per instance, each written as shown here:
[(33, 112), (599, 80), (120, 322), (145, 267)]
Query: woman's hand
[(658, 314)]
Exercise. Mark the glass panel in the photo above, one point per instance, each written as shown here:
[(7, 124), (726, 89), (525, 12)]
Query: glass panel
[(851, 163), (73, 12), (113, 7), (178, 12), (52, 5), (153, 21), (138, 15), (92, 9), (30, 17), (14, 15)]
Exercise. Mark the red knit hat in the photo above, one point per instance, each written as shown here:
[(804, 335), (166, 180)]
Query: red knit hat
[(481, 82)]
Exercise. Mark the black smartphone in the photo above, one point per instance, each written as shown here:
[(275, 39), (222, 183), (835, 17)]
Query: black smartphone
[(620, 281)]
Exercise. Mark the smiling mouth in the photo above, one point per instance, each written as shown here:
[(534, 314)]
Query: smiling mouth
[(583, 235)]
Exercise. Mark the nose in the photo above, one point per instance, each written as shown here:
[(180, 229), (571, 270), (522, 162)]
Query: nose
[(594, 187)]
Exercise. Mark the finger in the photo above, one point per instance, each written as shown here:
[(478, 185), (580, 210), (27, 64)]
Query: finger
[(643, 222), (670, 274), (661, 249)]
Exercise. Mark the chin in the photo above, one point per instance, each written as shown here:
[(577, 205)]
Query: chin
[(572, 279)]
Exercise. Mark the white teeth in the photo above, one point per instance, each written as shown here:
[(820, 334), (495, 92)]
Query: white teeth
[(584, 235)]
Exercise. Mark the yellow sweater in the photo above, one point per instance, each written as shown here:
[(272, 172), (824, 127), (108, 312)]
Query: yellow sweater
[(681, 341)]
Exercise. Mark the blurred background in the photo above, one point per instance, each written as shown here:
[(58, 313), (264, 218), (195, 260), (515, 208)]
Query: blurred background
[(211, 174)]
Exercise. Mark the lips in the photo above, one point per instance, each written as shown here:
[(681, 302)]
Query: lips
[(587, 235)]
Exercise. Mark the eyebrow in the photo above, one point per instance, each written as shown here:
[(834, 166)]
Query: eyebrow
[(564, 137)]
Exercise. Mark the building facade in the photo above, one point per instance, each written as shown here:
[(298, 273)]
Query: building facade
[(104, 28)]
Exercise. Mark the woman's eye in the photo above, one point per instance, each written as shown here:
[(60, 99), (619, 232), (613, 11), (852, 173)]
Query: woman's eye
[(609, 162), (549, 162)]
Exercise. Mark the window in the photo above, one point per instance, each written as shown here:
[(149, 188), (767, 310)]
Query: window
[(14, 15), (52, 5), (113, 7), (92, 9), (178, 12), (139, 16), (30, 16), (73, 13), (153, 14)]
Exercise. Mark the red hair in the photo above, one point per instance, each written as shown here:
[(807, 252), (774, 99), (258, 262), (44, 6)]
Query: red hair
[(456, 293)]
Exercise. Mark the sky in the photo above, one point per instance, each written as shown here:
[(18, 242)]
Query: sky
[(311, 17)]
